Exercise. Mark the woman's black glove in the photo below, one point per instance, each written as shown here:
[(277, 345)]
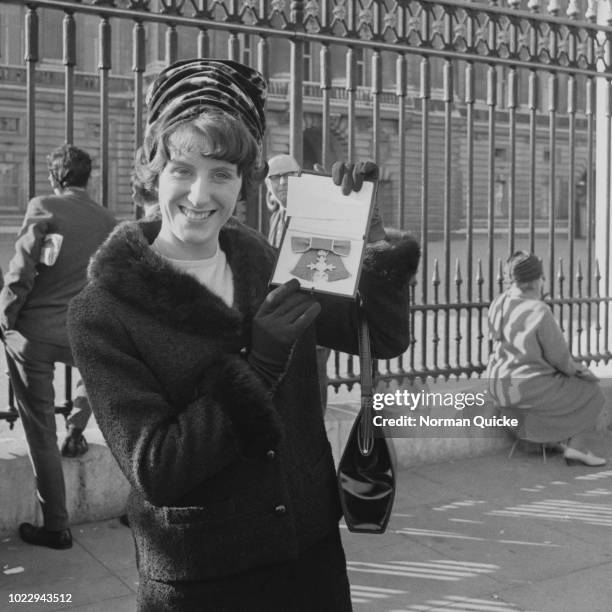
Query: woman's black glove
[(350, 177), (282, 318)]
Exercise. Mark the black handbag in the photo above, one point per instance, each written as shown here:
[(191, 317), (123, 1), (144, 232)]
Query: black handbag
[(366, 471)]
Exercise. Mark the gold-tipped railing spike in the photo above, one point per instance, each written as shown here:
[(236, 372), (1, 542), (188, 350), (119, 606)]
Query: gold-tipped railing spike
[(561, 276), (458, 276), (560, 282), (579, 322), (598, 327), (534, 6), (572, 9), (500, 275), (458, 335), (479, 279), (481, 309), (591, 12), (413, 340), (435, 279), (435, 335), (554, 6)]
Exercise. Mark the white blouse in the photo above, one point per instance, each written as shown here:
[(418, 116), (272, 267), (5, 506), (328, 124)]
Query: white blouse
[(214, 273)]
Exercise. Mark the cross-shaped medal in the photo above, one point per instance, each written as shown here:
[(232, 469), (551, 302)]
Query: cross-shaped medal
[(321, 267)]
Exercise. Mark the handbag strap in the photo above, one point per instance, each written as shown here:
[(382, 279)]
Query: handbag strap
[(365, 437)]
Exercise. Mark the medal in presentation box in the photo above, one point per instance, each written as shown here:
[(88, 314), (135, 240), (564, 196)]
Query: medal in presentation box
[(325, 235)]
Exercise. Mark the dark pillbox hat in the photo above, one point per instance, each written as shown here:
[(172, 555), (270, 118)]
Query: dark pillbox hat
[(187, 88), (525, 267)]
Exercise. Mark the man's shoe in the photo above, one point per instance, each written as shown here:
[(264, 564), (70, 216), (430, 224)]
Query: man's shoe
[(74, 445), (39, 536)]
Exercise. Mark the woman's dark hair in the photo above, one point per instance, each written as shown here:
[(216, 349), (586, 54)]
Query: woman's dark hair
[(227, 137), (69, 166)]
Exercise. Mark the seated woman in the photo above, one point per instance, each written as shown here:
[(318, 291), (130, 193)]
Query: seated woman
[(204, 383), (531, 373)]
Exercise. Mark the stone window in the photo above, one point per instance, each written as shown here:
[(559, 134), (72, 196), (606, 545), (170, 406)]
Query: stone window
[(11, 192)]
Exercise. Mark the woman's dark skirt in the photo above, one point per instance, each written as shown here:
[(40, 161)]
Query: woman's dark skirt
[(316, 581)]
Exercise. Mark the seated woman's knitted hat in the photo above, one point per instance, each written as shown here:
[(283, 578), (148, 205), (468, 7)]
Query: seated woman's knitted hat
[(187, 88), (524, 267)]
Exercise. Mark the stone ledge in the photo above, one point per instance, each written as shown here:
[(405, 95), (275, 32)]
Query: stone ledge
[(95, 487), (456, 443)]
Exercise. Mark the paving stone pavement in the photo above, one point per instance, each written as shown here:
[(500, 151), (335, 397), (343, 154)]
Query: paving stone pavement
[(486, 534)]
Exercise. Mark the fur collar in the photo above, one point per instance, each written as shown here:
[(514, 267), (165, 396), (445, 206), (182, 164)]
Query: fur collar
[(126, 266)]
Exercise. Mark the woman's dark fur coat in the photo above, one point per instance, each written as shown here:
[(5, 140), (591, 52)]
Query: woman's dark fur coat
[(226, 474)]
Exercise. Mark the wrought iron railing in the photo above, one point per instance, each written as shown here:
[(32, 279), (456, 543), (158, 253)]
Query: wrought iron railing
[(462, 101)]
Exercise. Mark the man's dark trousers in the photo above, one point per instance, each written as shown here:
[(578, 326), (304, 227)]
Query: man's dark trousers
[(31, 369)]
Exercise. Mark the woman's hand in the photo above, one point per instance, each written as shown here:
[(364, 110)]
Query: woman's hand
[(350, 177), (282, 318)]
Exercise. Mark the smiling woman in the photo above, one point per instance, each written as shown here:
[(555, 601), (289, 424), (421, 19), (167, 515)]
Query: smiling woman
[(197, 194), (204, 382)]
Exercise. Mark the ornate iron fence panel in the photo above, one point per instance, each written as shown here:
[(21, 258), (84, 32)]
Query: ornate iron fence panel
[(482, 117)]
